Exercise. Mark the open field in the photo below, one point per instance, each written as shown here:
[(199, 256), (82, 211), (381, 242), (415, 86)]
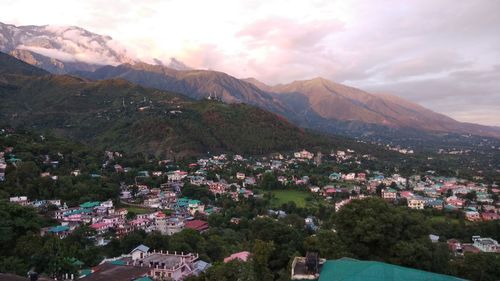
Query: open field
[(284, 196), (138, 210)]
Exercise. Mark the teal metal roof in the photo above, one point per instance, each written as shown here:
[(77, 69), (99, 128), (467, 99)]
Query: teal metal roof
[(347, 269), (85, 272), (59, 228), (90, 204), (118, 262), (182, 202)]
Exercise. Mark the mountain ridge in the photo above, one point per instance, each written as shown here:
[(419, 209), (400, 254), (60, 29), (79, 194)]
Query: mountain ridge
[(197, 84), (351, 104)]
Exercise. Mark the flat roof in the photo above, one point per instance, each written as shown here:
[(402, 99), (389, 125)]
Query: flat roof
[(169, 260)]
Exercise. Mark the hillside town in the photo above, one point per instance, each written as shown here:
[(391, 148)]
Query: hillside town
[(166, 199)]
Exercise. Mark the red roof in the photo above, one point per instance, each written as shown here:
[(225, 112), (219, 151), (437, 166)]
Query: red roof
[(98, 225), (330, 190), (243, 256), (160, 214), (490, 216), (197, 225)]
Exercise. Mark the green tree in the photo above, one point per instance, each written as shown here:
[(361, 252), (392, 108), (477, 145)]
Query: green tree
[(261, 254)]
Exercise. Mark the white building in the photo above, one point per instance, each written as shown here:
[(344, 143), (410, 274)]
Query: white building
[(21, 200), (488, 245), (169, 226), (240, 176), (416, 203)]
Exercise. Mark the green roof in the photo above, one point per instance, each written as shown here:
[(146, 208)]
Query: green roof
[(90, 204), (347, 269)]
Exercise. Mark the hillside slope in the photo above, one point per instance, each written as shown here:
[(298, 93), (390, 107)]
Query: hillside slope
[(116, 114), (197, 84)]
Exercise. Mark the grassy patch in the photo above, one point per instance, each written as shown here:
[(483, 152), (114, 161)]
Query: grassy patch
[(443, 219), (139, 210), (284, 196)]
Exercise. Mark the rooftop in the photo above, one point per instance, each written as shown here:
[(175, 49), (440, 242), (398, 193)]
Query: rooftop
[(347, 269), (109, 271), (142, 248), (170, 261)]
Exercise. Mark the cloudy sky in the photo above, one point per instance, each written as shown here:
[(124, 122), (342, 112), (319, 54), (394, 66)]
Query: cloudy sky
[(443, 54)]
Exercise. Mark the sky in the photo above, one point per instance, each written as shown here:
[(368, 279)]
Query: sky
[(443, 54)]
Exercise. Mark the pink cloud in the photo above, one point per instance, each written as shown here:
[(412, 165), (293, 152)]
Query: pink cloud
[(287, 33)]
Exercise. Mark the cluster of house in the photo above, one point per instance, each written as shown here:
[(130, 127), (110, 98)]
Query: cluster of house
[(428, 192), (103, 217), (476, 201)]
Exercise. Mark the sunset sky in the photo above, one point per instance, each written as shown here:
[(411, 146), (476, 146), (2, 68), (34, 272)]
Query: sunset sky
[(443, 54)]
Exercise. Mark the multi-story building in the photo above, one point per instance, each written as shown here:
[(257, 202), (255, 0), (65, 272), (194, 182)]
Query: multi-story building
[(165, 265), (169, 226), (416, 203), (486, 244)]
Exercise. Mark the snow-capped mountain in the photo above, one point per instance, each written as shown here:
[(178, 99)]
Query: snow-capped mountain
[(68, 49), (61, 49)]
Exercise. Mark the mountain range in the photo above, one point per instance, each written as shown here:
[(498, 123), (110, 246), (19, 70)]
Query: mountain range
[(318, 104)]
